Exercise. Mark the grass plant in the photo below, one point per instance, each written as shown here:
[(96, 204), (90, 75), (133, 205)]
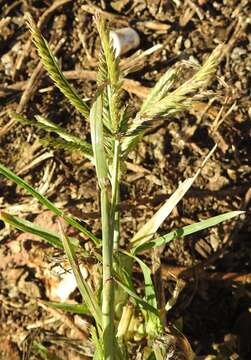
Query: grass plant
[(122, 318)]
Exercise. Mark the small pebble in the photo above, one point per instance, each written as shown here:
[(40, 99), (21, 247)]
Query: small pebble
[(187, 43)]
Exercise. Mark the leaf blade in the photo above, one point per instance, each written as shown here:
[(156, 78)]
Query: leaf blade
[(83, 286), (47, 203), (136, 297), (27, 226), (153, 323), (187, 230), (97, 135), (80, 309)]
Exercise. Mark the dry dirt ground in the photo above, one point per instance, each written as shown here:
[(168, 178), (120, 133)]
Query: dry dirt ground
[(215, 306)]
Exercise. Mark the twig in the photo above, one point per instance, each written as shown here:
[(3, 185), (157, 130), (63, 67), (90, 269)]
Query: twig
[(5, 21), (130, 85), (35, 162), (93, 9), (240, 27), (196, 9), (11, 7), (186, 273), (29, 87)]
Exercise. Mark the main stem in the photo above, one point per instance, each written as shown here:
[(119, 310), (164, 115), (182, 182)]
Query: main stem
[(108, 286), (115, 215), (110, 233)]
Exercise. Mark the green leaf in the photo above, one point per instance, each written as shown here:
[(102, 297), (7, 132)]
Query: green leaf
[(72, 308), (43, 351), (97, 135), (51, 65), (47, 203), (27, 226), (142, 303), (153, 323), (99, 351), (150, 296), (187, 230), (151, 356), (84, 288)]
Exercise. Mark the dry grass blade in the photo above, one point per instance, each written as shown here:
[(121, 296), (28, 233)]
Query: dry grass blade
[(149, 229)]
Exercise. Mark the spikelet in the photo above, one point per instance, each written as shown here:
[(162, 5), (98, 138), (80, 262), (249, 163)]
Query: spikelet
[(161, 103), (52, 67), (70, 141), (109, 72), (63, 144)]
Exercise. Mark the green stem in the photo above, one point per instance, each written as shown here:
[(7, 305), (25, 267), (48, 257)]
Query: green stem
[(108, 285), (115, 216), (116, 227)]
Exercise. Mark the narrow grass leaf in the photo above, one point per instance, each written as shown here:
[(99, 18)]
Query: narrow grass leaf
[(97, 135), (47, 203), (150, 296), (53, 69), (187, 230), (148, 230), (84, 288), (99, 351), (153, 323), (71, 308), (27, 226), (43, 352), (140, 302)]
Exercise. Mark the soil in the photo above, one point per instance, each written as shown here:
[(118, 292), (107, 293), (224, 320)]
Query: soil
[(215, 310)]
